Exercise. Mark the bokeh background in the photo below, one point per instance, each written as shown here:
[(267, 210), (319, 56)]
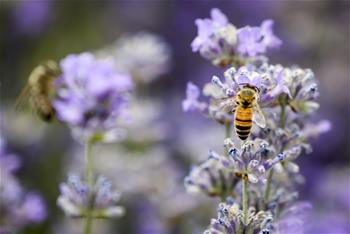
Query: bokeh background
[(150, 169)]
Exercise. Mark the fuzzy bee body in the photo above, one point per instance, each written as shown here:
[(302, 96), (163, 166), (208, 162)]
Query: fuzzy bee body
[(40, 89), (246, 99), (246, 109)]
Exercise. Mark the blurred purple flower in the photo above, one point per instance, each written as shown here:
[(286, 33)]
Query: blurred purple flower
[(30, 17), (17, 208), (293, 219), (9, 163), (147, 220), (21, 209), (191, 102), (219, 41), (269, 38), (10, 189), (92, 97), (313, 130), (207, 27), (255, 40), (145, 56), (75, 198), (32, 208), (250, 41)]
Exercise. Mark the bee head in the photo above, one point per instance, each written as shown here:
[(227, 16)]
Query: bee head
[(247, 96)]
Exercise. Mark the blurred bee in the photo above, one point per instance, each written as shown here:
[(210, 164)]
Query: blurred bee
[(40, 89), (246, 108)]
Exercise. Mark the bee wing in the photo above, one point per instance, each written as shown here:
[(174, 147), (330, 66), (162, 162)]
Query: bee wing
[(227, 105), (23, 98), (258, 116)]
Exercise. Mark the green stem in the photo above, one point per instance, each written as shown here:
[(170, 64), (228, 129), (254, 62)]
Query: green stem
[(223, 198), (90, 181), (245, 200), (283, 116), (268, 186)]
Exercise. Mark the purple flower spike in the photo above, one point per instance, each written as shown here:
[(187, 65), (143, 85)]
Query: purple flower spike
[(250, 41), (269, 40), (74, 198), (216, 39), (92, 98), (220, 42), (260, 174), (281, 86), (211, 177)]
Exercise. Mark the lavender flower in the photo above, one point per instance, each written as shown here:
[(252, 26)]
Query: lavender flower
[(92, 98), (253, 159), (216, 38), (31, 210), (266, 161), (9, 163), (250, 41), (218, 90), (17, 208), (299, 84), (220, 42), (230, 220), (270, 40), (191, 102), (256, 40), (75, 199), (212, 178), (275, 84)]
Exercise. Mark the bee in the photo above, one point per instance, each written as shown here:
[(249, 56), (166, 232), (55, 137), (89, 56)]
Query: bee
[(246, 110), (40, 89)]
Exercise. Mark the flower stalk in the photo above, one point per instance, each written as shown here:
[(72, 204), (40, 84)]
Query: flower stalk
[(245, 184), (288, 98), (268, 186), (90, 183)]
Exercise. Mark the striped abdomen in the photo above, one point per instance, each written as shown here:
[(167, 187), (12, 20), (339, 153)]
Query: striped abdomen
[(243, 122), (43, 107)]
